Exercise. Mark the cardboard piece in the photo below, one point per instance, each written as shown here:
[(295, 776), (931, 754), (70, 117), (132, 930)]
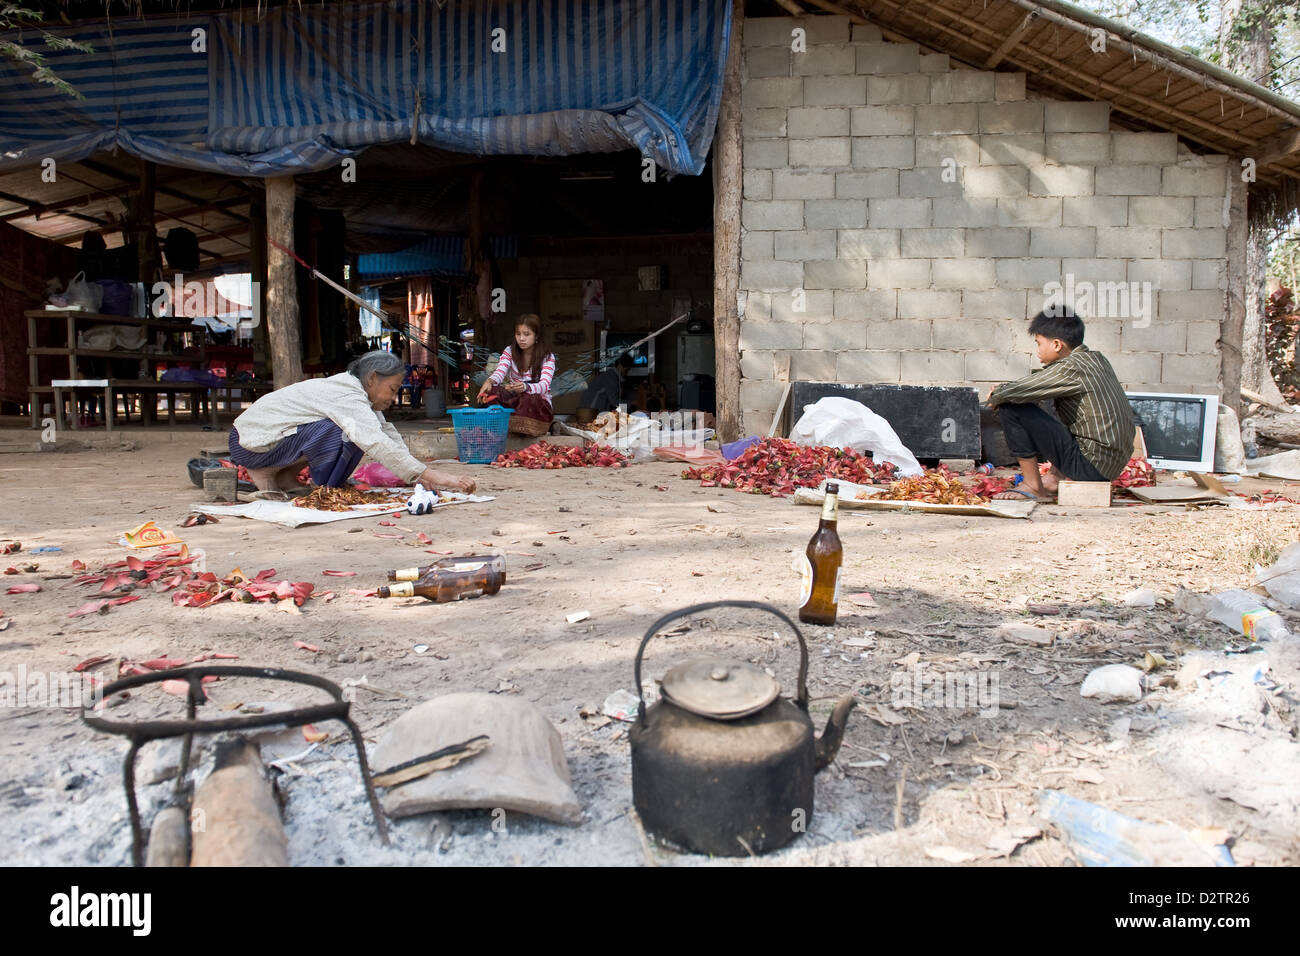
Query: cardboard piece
[(1208, 488), (849, 501)]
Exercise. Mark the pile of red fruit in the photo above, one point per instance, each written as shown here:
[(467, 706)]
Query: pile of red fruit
[(1138, 473), (545, 455), (777, 466)]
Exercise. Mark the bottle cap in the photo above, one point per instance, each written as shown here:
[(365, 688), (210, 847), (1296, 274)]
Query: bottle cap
[(832, 487)]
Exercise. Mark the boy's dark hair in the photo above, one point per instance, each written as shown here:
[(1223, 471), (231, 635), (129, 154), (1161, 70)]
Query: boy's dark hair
[(1059, 323)]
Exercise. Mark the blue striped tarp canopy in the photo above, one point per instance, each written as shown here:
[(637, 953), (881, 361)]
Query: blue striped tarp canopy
[(301, 89), (444, 255)]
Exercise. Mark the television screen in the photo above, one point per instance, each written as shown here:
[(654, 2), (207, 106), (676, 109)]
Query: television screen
[(1178, 429), (614, 344)]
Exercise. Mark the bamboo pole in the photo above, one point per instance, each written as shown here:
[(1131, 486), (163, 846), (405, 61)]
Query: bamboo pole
[(728, 162)]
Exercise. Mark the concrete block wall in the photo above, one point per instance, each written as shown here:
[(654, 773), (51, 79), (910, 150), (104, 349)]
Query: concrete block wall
[(902, 221)]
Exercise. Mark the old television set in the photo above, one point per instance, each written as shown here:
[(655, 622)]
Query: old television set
[(1178, 428), (614, 344)]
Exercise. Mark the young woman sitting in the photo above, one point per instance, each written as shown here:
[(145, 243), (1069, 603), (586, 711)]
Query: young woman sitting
[(522, 379)]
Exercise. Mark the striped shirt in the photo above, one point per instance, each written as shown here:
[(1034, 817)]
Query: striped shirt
[(508, 371), (1089, 401)]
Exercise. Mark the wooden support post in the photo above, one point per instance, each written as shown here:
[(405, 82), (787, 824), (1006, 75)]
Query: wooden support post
[(1234, 311), (282, 284), (728, 162), (257, 250), (142, 226)]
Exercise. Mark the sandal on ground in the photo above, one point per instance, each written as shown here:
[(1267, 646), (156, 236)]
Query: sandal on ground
[(1024, 494)]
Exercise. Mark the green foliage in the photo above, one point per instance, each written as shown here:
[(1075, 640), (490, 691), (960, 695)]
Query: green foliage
[(14, 17)]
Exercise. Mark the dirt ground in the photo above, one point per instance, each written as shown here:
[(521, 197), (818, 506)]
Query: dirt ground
[(1211, 745)]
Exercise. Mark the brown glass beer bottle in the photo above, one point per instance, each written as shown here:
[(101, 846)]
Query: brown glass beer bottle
[(463, 562), (443, 586), (820, 596)]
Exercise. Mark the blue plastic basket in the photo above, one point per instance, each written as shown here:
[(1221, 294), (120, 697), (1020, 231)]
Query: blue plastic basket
[(480, 433)]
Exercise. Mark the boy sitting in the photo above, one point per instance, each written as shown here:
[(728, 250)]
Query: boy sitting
[(1093, 438)]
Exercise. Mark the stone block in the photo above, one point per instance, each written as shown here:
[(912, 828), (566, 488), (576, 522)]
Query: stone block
[(1136, 370), (1095, 270), (1011, 149), (895, 152), (964, 212), (765, 275), (1211, 211), (757, 245), (1131, 242), (928, 182), (767, 61), (1062, 180), (1027, 273), (866, 33), (1209, 274), (1166, 275), (928, 304), (1159, 149), (1102, 335), (756, 334), (1191, 306), (963, 273), (1024, 117), (809, 306), (882, 121), (1094, 211), (772, 214), (899, 334), (835, 213), (802, 245), (946, 150), (769, 31), (898, 213), (1190, 370), (869, 243), (934, 63), (1194, 181), (835, 336), (868, 184), (876, 305), (1128, 181), (936, 120), (868, 366), (1002, 304), (757, 184), (1159, 336), (763, 123), (932, 243), (823, 29), (1078, 149), (1170, 211), (1041, 211), (767, 154), (1081, 117), (821, 152), (997, 242), (971, 86), (900, 88), (757, 365), (759, 394), (985, 181), (1203, 336), (888, 58), (808, 122), (834, 91), (1009, 87), (801, 184), (986, 366), (835, 274), (812, 366), (898, 274), (1193, 243), (1080, 242), (932, 368), (825, 59), (958, 333), (772, 91)]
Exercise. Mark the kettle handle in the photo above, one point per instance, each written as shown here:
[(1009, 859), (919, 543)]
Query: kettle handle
[(801, 697)]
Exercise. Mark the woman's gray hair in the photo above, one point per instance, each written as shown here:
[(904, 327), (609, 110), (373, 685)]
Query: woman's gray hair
[(383, 364)]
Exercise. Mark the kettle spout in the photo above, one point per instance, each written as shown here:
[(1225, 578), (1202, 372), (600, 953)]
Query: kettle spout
[(828, 744)]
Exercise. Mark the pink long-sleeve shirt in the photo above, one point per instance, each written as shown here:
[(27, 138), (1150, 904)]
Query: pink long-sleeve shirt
[(506, 367)]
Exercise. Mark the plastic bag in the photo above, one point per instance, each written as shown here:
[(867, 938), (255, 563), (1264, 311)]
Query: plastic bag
[(844, 423), (377, 476), (83, 295)]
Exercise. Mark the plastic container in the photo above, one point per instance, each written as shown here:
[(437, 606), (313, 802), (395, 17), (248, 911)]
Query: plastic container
[(480, 433), (1246, 614)]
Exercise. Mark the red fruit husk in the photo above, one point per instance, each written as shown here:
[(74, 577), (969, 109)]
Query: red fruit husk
[(777, 466)]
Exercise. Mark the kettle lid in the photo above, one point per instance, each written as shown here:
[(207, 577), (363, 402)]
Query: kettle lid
[(717, 688)]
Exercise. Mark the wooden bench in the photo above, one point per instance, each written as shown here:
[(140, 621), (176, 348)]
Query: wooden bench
[(147, 389)]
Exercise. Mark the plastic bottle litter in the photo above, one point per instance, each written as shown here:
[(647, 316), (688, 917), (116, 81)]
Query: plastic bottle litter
[(985, 469), (1245, 613), (1101, 837)]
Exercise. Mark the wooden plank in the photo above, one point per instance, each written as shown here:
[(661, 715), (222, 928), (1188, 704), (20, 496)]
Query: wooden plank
[(728, 158), (282, 284)]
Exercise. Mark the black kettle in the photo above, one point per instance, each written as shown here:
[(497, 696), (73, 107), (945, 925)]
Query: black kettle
[(723, 764)]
